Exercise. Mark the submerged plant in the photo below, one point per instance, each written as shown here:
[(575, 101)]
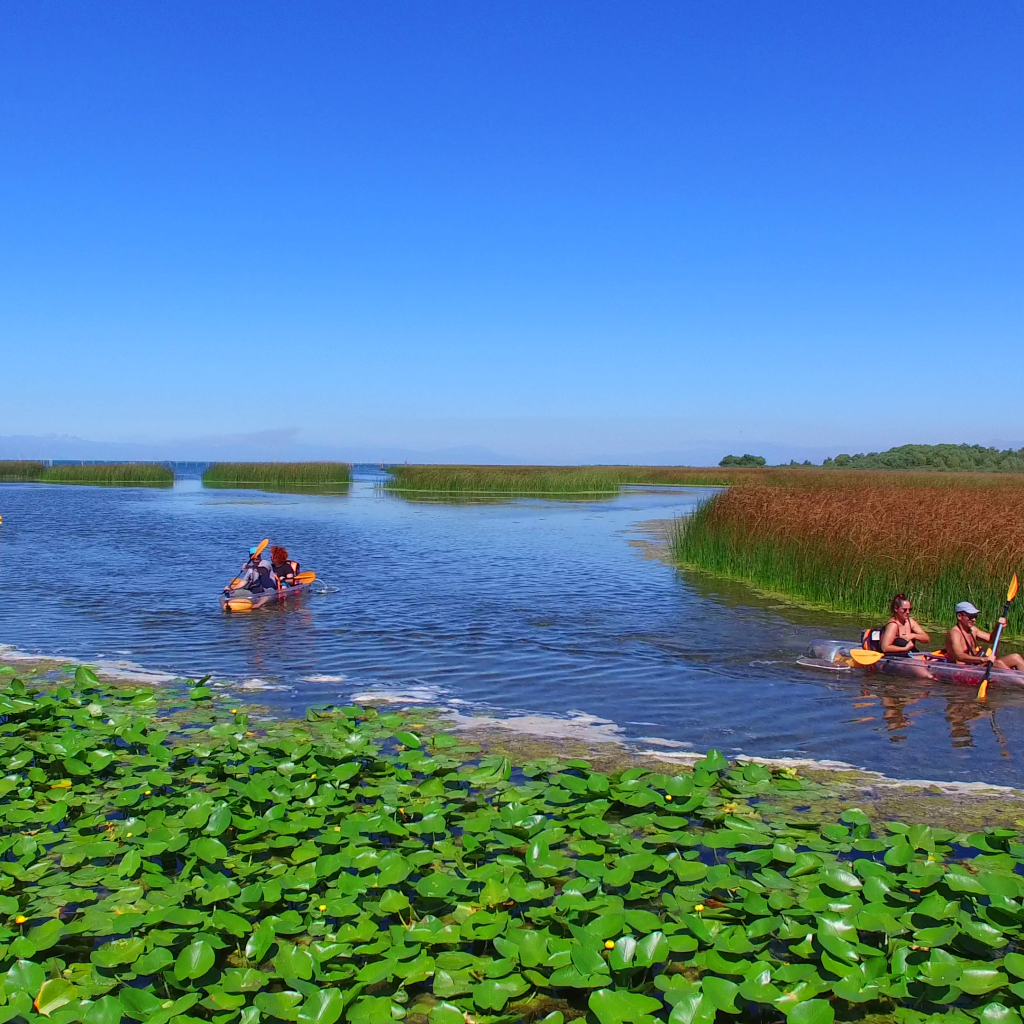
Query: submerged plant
[(160, 868)]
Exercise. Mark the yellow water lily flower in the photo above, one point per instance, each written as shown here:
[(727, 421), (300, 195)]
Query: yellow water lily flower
[(609, 944), (699, 907)]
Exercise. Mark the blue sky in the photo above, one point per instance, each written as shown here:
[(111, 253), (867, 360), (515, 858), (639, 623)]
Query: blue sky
[(556, 231)]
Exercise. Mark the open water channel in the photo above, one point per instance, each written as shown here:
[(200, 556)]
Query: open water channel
[(553, 613)]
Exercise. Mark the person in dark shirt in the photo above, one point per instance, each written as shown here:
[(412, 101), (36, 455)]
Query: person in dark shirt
[(282, 568)]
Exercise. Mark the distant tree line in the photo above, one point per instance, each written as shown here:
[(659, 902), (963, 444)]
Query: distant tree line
[(743, 460), (962, 457)]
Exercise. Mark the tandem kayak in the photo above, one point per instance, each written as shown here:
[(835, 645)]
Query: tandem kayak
[(241, 601), (834, 655)]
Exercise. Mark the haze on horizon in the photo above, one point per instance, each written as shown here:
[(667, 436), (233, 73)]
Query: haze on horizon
[(573, 232)]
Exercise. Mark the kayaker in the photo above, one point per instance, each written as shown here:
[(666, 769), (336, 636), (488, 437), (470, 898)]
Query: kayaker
[(964, 641), (282, 568), (901, 634), (256, 575)]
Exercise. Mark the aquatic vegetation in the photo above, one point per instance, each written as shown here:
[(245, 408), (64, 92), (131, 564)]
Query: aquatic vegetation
[(13, 470), (569, 480), (128, 474), (506, 480), (277, 475), (850, 544), (161, 865)]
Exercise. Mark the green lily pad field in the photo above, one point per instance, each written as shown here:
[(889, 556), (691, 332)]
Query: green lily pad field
[(171, 866)]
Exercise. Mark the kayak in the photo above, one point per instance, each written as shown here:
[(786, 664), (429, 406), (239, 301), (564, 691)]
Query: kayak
[(834, 655), (241, 601)]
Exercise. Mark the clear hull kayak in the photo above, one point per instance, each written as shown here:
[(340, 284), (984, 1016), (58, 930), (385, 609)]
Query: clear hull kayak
[(242, 601), (834, 655)]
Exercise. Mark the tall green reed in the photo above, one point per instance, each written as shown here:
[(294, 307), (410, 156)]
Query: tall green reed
[(13, 470), (277, 474), (120, 474)]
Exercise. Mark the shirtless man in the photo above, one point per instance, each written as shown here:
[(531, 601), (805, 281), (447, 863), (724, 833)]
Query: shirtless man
[(964, 640), (902, 633)]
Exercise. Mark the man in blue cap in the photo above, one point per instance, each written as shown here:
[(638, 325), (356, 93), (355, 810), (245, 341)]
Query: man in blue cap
[(964, 641), (256, 575)]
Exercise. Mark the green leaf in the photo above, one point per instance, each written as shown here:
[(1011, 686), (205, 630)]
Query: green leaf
[(194, 960), (260, 941), (812, 1011), (284, 1005), (293, 962), (323, 1007), (220, 819), (120, 951), (445, 1013), (153, 962), (960, 881), (25, 976), (616, 1006), (978, 980), (369, 1010), (46, 935), (720, 992), (622, 955), (140, 1003), (409, 739), (494, 994), (394, 868), (713, 761), (106, 1010), (1014, 963), (54, 994), (393, 901), (208, 849), (688, 871), (652, 949), (996, 1013)]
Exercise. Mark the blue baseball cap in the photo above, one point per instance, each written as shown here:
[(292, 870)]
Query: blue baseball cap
[(252, 550)]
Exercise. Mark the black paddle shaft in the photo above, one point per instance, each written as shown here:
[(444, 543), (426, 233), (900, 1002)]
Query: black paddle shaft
[(995, 641)]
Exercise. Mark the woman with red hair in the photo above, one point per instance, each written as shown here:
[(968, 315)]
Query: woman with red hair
[(284, 570)]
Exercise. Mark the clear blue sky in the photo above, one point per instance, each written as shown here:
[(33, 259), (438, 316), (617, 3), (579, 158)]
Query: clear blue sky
[(572, 228)]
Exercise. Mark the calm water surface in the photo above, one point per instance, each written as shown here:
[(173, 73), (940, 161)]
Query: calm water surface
[(526, 607)]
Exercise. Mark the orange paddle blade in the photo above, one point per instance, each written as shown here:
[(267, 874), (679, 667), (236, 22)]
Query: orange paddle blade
[(235, 583), (862, 657), (259, 547), (983, 689), (1011, 593), (305, 577)]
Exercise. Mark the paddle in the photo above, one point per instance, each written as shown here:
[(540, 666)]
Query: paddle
[(864, 658), (1011, 593), (237, 581), (305, 577)]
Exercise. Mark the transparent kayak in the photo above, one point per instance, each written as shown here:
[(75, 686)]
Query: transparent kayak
[(242, 601), (834, 656)]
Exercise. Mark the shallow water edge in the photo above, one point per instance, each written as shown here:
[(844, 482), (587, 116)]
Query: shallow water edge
[(958, 805)]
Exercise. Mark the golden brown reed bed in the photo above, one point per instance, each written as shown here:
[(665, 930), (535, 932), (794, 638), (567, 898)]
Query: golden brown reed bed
[(849, 541)]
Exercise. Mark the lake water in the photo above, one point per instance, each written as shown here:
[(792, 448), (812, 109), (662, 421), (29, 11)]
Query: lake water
[(541, 608)]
